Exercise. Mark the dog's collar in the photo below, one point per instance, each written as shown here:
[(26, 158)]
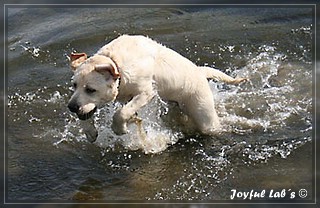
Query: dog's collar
[(118, 78), (119, 82), (115, 63)]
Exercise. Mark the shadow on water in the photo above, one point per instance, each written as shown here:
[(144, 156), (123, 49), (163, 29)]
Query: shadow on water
[(266, 142)]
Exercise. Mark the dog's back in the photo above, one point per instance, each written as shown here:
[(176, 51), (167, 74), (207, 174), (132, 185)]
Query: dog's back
[(140, 58)]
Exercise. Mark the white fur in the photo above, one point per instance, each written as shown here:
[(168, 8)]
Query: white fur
[(147, 68)]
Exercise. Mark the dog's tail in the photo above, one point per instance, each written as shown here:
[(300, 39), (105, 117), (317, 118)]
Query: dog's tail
[(217, 75)]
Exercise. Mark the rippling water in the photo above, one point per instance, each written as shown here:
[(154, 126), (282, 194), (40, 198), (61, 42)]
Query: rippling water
[(267, 138)]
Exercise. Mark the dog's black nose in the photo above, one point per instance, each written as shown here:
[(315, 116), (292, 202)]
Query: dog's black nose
[(74, 108)]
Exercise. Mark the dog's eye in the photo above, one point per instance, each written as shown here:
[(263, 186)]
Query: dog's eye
[(90, 90)]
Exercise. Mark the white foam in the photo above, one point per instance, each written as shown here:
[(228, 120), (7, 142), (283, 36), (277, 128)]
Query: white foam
[(147, 139), (55, 97)]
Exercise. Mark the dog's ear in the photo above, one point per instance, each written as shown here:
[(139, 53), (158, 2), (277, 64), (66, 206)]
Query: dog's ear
[(76, 59), (110, 68)]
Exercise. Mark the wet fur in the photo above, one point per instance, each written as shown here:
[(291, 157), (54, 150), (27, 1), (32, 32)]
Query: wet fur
[(132, 70)]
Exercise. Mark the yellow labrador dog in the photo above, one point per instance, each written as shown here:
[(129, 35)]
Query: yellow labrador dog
[(132, 70)]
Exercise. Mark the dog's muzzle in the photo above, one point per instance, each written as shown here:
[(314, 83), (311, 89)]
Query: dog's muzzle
[(86, 115), (74, 108)]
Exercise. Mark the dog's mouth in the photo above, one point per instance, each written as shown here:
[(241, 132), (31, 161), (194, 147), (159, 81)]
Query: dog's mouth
[(86, 115)]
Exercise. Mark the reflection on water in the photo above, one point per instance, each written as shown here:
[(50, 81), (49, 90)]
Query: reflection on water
[(266, 141)]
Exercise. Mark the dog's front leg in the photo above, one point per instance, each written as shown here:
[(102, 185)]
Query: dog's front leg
[(89, 129), (123, 115)]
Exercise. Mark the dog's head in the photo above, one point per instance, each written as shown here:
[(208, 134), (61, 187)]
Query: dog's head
[(95, 83)]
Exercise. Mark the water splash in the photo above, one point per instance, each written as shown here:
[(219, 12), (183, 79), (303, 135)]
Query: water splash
[(150, 136), (258, 106)]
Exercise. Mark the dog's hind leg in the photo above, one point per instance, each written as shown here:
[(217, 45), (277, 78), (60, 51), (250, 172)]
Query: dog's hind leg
[(200, 108), (217, 75)]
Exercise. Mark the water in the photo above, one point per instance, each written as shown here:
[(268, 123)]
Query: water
[(266, 141)]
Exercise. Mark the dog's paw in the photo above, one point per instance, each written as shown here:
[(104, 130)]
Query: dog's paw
[(89, 129), (119, 129), (119, 123), (91, 135), (239, 80)]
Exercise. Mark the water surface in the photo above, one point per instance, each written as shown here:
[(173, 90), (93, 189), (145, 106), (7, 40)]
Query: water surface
[(267, 137)]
